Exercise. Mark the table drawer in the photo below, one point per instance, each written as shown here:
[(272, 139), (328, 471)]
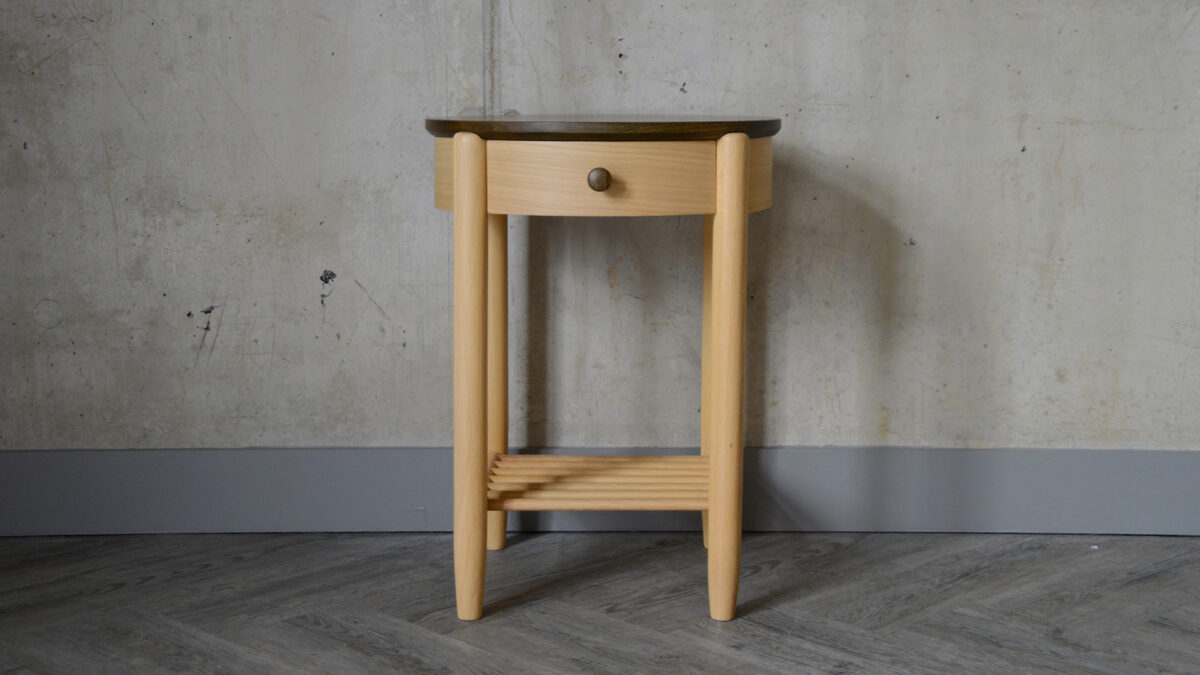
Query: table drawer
[(653, 178), (543, 178)]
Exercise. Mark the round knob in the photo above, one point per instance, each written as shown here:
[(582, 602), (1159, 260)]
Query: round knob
[(599, 179)]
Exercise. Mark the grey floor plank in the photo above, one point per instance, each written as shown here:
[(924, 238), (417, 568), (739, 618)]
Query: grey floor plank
[(1108, 594), (546, 566), (1171, 640), (241, 594), (128, 642), (900, 592), (777, 644), (807, 578), (117, 571), (568, 639), (654, 587), (10, 665), (349, 640), (963, 633), (605, 602)]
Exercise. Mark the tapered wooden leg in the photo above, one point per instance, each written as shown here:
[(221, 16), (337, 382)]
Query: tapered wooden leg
[(497, 361), (470, 372), (728, 330), (706, 358)]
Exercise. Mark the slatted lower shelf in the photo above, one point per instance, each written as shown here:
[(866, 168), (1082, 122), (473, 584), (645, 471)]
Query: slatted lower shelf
[(598, 483)]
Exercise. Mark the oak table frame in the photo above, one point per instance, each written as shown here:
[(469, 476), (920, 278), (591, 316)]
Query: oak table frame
[(487, 168)]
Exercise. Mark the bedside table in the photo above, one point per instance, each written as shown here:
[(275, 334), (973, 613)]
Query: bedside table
[(489, 167)]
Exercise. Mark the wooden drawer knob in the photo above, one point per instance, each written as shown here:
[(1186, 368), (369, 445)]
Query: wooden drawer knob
[(599, 179)]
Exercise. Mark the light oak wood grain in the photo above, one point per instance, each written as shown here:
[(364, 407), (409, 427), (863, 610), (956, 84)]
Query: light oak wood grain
[(614, 504), (497, 360), (577, 155), (648, 178), (725, 179), (706, 364), (443, 174), (610, 492), (728, 354), (759, 162), (586, 482), (584, 469), (639, 460), (629, 478), (506, 485), (470, 372)]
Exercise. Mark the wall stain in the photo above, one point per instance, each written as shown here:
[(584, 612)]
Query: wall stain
[(217, 333), (368, 293), (112, 208), (203, 338), (206, 329), (327, 278), (48, 314)]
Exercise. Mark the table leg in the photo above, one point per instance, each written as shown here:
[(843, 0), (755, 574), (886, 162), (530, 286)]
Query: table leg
[(706, 365), (470, 376), (728, 330), (497, 361)]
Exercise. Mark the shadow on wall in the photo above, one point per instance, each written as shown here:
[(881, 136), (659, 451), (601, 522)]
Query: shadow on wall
[(827, 267), (819, 239), (829, 249), (601, 291), (612, 324)]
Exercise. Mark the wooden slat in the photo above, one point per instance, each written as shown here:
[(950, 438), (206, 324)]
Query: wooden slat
[(602, 466), (541, 473), (598, 482), (671, 488), (564, 504), (609, 493), (571, 462), (579, 488), (662, 480), (603, 458), (612, 472), (651, 461)]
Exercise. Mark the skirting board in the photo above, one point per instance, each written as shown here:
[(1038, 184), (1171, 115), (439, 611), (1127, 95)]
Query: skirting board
[(786, 489)]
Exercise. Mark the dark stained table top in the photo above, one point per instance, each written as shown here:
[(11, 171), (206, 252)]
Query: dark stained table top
[(604, 127)]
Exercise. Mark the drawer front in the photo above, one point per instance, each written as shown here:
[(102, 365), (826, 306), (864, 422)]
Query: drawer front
[(654, 178), (549, 178)]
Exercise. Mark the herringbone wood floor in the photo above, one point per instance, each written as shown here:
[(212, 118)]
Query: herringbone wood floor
[(619, 603)]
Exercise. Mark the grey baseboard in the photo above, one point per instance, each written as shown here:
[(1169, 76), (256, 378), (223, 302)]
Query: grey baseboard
[(786, 489)]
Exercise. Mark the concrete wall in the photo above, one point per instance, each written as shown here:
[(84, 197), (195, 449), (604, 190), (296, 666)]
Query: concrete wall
[(985, 231), (164, 158)]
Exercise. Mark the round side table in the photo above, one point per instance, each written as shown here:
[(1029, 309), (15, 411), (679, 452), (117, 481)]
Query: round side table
[(489, 167)]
